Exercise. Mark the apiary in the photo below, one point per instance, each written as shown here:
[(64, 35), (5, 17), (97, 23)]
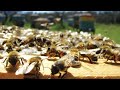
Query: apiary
[(85, 22), (43, 54)]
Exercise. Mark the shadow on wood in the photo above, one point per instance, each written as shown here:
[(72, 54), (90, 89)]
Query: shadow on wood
[(113, 63), (76, 66), (67, 76), (10, 76), (33, 76), (87, 61)]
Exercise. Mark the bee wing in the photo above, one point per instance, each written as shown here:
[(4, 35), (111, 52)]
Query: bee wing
[(3, 68), (22, 69), (30, 67), (2, 64), (85, 52)]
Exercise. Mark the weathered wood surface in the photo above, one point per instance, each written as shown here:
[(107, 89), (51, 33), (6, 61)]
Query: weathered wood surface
[(101, 70)]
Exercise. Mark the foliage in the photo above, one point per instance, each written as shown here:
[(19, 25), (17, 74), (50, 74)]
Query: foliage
[(27, 25), (59, 27), (8, 22)]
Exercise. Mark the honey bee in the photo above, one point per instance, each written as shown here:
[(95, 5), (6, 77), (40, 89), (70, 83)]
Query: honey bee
[(13, 59), (59, 67), (29, 40), (52, 52), (18, 49), (91, 45), (16, 41), (73, 58), (5, 41), (111, 54), (39, 41), (9, 47), (42, 41), (86, 54), (80, 45), (31, 68), (98, 37)]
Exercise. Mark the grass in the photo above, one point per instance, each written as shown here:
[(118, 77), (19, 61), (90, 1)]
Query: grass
[(27, 25), (8, 23), (109, 30), (58, 27)]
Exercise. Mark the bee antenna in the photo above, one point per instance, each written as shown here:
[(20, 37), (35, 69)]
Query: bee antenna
[(5, 60)]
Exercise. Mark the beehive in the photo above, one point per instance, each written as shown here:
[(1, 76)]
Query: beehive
[(86, 22)]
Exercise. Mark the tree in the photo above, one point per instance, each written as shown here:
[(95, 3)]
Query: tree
[(61, 21), (8, 15), (115, 16)]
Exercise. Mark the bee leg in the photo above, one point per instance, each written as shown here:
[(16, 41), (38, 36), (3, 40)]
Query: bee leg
[(59, 75), (64, 74), (107, 59), (22, 60), (4, 60), (37, 72), (6, 63), (38, 69), (90, 59), (115, 59)]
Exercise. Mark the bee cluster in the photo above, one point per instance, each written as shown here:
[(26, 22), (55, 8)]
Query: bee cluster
[(66, 49)]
